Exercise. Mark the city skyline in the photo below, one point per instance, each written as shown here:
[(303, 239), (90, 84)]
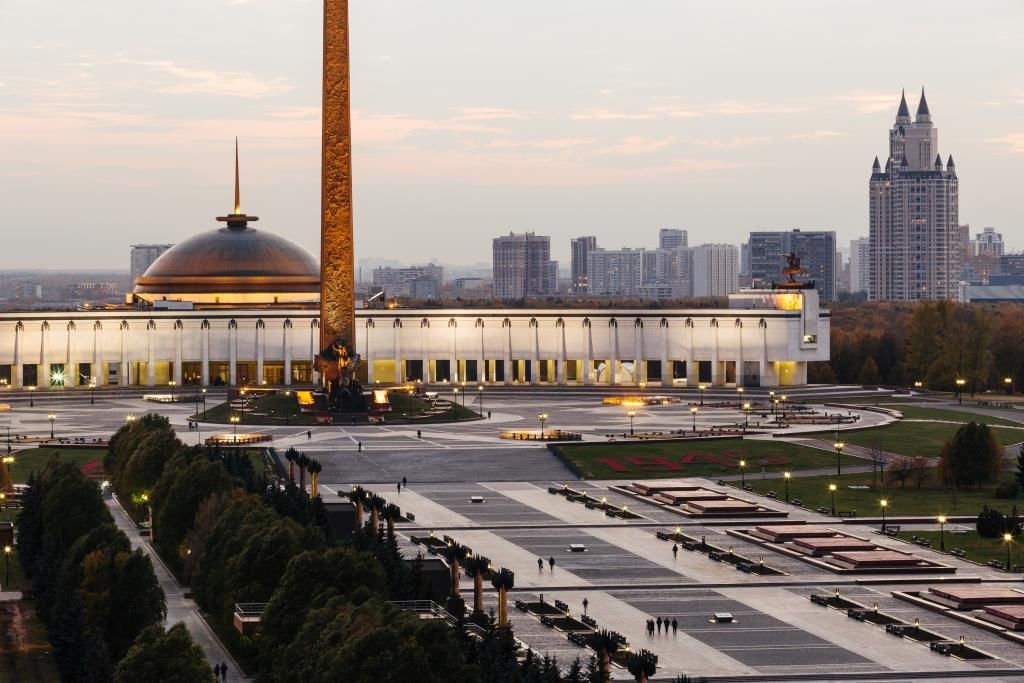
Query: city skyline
[(558, 141)]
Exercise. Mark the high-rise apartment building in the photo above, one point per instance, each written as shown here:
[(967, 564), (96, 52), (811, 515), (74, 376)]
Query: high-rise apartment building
[(580, 248), (671, 238), (860, 265), (616, 272), (416, 282), (715, 269), (142, 257), (914, 212), (523, 267), (815, 248), (989, 243)]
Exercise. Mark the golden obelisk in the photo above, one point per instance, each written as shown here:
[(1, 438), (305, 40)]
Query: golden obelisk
[(337, 252)]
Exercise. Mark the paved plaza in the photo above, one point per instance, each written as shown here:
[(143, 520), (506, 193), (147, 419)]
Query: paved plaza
[(627, 574)]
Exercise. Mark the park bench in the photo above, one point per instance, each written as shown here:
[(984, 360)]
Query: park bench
[(822, 511), (958, 552), (797, 502), (847, 513), (892, 530), (772, 494)]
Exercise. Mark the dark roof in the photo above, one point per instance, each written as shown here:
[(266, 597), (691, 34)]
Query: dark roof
[(876, 165), (922, 106), (904, 109)]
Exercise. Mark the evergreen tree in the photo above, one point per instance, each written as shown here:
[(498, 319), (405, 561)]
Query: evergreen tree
[(166, 656)]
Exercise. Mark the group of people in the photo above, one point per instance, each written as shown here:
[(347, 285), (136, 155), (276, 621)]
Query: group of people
[(220, 672), (540, 563), (659, 623), (402, 483)]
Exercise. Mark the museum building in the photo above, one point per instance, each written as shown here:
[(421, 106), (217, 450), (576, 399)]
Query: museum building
[(240, 306)]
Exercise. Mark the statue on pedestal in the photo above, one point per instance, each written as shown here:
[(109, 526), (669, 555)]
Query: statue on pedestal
[(337, 365)]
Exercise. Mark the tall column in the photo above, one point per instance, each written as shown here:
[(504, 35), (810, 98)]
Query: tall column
[(588, 344), (124, 372), (666, 367), (18, 376), (534, 351), (768, 376), (399, 375), (613, 351), (370, 355), (425, 349), (717, 379), (481, 369), (260, 337), (337, 267), (560, 355), (739, 357), (150, 353), (453, 352), (286, 346), (96, 371), (692, 371), (506, 353), (204, 350), (639, 367), (232, 353), (179, 329), (43, 369), (70, 371)]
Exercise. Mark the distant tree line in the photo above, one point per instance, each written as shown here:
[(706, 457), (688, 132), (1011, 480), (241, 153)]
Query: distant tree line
[(932, 342)]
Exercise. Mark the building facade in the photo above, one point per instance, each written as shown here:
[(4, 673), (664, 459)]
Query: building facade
[(523, 267), (714, 270), (914, 215), (815, 248), (417, 282), (580, 248), (143, 256), (762, 338), (860, 265), (672, 238)]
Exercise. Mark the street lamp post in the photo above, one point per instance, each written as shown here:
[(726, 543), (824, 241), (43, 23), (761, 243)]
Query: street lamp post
[(455, 390), (702, 389), (288, 407), (771, 400), (543, 417), (31, 397), (693, 414), (1008, 383), (204, 402), (52, 417), (172, 384), (783, 405), (918, 384), (463, 385), (942, 532), (643, 387), (746, 416), (960, 382), (832, 489), (743, 474), (839, 452), (234, 428), (480, 397), (787, 475), (884, 504), (1008, 538), (7, 566), (631, 414)]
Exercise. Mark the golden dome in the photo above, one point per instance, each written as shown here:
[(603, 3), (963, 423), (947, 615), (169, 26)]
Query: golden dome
[(234, 264)]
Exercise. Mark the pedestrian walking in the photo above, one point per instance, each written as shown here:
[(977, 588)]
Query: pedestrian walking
[(658, 622), (540, 564), (216, 672), (675, 625), (551, 562), (223, 671), (650, 627), (675, 551), (405, 483), (360, 444), (309, 435), (488, 415), (399, 489), (419, 434), (353, 420)]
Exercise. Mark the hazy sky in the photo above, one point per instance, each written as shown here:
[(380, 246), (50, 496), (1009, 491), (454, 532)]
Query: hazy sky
[(473, 118)]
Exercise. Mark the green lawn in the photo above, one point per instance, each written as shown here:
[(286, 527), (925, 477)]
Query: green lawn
[(928, 500), (277, 409), (919, 413), (977, 548), (918, 438), (25, 652), (694, 458), (33, 460)]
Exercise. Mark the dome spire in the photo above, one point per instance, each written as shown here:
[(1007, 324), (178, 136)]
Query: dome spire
[(237, 220), (903, 114)]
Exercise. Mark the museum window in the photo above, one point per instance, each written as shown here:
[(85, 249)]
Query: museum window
[(30, 375)]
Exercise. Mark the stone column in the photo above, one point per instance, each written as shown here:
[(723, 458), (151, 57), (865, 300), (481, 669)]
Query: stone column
[(179, 329), (204, 350), (43, 369), (613, 351), (560, 354), (70, 369), (481, 368), (588, 362), (337, 267), (639, 366), (717, 379), (507, 351), (692, 371), (739, 358), (286, 346), (425, 349), (124, 373), (150, 353), (453, 352), (18, 376), (666, 367), (232, 353), (260, 337), (370, 355), (399, 374), (534, 351)]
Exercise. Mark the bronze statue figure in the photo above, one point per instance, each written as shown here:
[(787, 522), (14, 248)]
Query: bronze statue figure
[(792, 269), (337, 366)]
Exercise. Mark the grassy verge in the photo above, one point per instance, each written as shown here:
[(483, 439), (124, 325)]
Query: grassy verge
[(693, 458), (919, 413), (26, 652), (33, 459), (928, 500), (975, 547), (918, 438), (278, 409)]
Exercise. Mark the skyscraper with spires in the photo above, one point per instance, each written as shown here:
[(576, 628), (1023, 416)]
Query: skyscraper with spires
[(914, 212)]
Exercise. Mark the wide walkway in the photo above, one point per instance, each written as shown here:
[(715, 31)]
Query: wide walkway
[(179, 608)]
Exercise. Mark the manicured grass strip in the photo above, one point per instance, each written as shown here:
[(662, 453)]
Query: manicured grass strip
[(930, 500), (33, 459), (694, 458), (924, 439), (975, 547)]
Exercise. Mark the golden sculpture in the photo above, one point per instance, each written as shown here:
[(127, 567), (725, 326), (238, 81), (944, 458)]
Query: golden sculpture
[(337, 261)]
